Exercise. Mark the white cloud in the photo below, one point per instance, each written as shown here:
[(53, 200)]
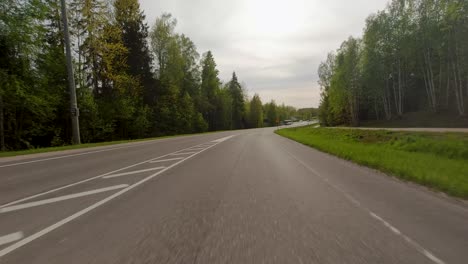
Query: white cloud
[(275, 46)]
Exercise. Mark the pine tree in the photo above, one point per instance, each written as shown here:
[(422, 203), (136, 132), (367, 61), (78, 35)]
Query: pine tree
[(209, 90), (238, 107), (131, 21)]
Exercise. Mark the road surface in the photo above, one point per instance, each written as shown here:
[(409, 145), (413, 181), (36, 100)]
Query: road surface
[(230, 197)]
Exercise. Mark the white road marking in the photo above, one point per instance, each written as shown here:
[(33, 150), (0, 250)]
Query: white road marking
[(60, 198), (410, 241), (195, 149), (131, 172), (164, 160), (207, 145), (182, 153), (86, 180), (222, 139), (62, 222), (11, 238), (136, 144)]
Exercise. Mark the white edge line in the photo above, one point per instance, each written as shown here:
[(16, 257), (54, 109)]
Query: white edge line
[(130, 173), (86, 180), (62, 222), (11, 238), (60, 198), (410, 241)]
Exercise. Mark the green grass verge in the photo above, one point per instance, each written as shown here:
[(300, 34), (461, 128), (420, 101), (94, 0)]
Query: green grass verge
[(87, 145), (436, 160)]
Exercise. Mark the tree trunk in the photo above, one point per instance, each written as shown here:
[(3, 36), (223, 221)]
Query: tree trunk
[(386, 102), (2, 128), (376, 109), (429, 79), (458, 90), (447, 89)]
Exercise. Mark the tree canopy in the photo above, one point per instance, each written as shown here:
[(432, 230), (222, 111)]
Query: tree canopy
[(413, 56), (132, 80)]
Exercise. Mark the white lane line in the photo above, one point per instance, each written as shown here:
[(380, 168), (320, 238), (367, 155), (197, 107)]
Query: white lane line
[(207, 145), (222, 139), (86, 180), (164, 160), (183, 153), (60, 198), (62, 222), (195, 149), (136, 144), (131, 172), (11, 238), (410, 241)]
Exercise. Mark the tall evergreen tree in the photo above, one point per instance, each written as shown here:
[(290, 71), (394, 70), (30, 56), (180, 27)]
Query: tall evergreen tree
[(209, 90), (131, 21), (238, 103), (256, 112)]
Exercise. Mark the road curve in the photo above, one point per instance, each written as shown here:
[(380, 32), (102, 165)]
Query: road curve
[(231, 197)]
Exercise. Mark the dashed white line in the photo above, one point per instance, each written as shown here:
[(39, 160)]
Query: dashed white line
[(164, 160), (411, 242), (11, 238), (62, 222), (131, 172), (60, 198)]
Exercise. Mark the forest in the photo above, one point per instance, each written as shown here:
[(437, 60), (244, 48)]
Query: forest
[(412, 57), (132, 80)]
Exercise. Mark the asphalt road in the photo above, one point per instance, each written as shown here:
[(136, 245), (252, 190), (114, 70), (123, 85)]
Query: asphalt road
[(230, 197)]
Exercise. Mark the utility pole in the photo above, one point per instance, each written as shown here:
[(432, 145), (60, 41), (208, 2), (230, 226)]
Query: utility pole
[(74, 112)]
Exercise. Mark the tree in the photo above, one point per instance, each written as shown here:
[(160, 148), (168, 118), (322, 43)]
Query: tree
[(256, 112), (238, 109), (210, 84), (131, 21), (271, 113)]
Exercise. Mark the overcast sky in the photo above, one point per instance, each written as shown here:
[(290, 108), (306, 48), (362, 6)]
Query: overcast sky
[(274, 46)]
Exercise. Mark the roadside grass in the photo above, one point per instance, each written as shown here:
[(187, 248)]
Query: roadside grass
[(436, 160), (86, 145)]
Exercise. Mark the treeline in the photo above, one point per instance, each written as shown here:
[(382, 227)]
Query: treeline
[(132, 81), (413, 56)]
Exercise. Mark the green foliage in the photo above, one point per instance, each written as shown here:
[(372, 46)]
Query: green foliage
[(238, 104), (271, 113), (127, 88), (210, 88), (256, 112), (433, 159), (413, 58)]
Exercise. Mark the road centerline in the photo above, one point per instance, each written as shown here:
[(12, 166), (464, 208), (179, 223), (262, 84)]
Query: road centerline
[(70, 218), (89, 179)]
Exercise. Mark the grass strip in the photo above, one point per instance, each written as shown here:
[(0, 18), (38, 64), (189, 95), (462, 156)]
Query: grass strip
[(436, 160)]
